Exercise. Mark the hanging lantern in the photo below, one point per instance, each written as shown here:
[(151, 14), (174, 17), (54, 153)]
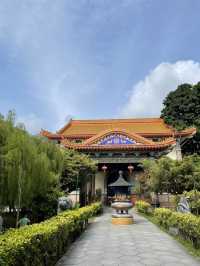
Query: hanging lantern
[(104, 168), (130, 168)]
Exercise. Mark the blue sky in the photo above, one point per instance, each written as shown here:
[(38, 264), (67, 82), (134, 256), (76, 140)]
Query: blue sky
[(94, 58)]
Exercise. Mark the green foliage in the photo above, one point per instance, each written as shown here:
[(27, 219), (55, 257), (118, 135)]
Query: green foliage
[(142, 185), (33, 168), (29, 166), (143, 206), (44, 243), (45, 206), (187, 224), (162, 216), (166, 175), (179, 107), (181, 110), (76, 167)]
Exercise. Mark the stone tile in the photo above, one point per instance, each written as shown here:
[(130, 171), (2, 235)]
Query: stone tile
[(133, 263), (140, 244)]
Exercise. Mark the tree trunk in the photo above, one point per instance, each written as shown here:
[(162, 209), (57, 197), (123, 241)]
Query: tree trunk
[(19, 196)]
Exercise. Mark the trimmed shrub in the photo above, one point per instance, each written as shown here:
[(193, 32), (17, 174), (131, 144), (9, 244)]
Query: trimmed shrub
[(143, 206), (187, 224), (162, 215), (44, 243)]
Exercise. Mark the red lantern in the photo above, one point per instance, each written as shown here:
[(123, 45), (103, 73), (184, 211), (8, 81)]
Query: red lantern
[(130, 168), (104, 168)]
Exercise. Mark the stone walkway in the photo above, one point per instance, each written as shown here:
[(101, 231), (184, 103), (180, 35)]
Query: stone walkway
[(139, 244)]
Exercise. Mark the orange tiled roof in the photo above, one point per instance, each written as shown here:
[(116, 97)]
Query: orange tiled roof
[(138, 129), (141, 126), (50, 135)]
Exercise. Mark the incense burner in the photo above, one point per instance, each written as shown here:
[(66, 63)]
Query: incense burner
[(122, 206), (121, 216)]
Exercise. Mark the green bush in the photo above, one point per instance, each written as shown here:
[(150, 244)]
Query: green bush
[(44, 206), (162, 216), (187, 224), (142, 206), (44, 243)]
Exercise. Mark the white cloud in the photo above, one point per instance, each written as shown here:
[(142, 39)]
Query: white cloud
[(32, 123), (54, 47), (147, 95), (41, 39)]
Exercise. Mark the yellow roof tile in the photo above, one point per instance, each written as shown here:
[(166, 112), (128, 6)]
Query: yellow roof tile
[(144, 126)]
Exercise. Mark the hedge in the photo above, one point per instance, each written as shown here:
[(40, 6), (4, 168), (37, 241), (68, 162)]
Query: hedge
[(142, 206), (187, 224), (44, 243)]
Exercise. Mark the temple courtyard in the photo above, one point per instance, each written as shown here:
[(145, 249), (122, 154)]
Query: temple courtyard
[(142, 243)]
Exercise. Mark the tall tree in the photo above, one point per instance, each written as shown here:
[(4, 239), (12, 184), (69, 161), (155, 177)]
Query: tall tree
[(181, 110), (32, 169), (167, 175), (77, 167), (30, 166)]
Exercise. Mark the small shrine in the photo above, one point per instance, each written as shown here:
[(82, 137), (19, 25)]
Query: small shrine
[(120, 187), (121, 202)]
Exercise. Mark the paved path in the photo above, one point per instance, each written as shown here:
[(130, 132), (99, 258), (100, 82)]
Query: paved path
[(140, 244)]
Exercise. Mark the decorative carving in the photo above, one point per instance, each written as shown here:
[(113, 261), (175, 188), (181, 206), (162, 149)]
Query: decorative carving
[(116, 139)]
